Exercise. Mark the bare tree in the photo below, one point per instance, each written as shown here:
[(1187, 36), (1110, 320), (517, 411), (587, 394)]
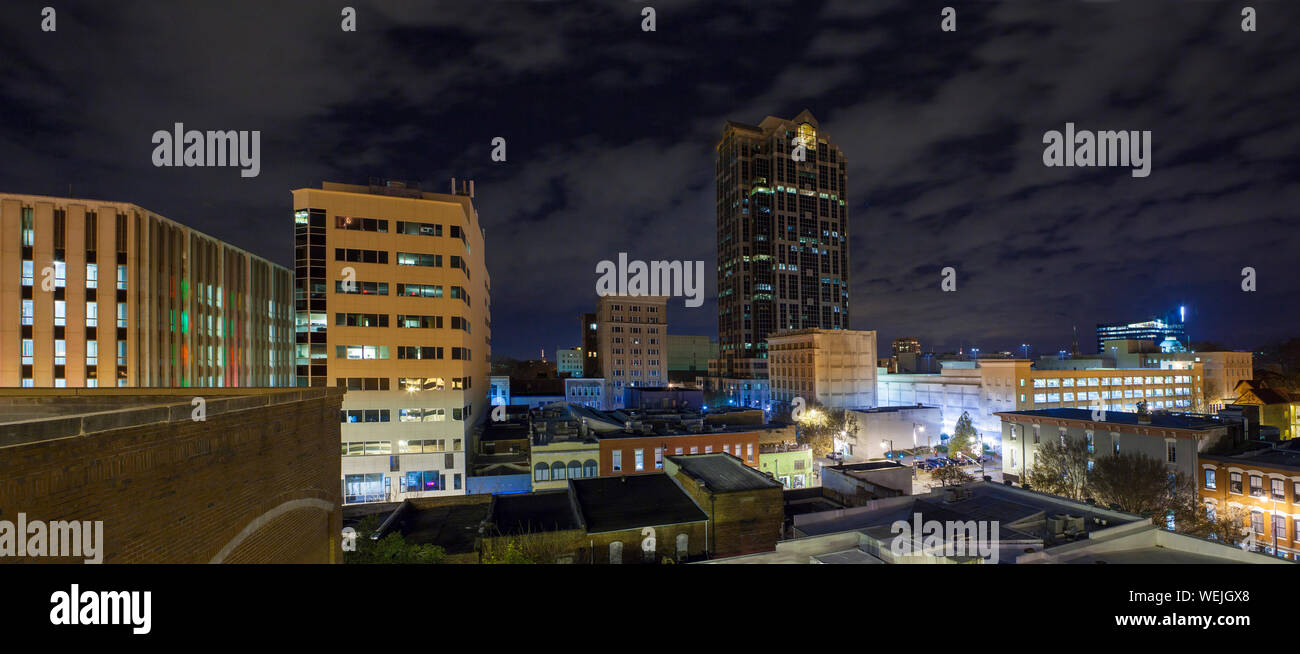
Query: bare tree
[(1061, 469)]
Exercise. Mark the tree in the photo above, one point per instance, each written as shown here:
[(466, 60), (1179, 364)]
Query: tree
[(1142, 485), (1230, 525), (392, 548), (952, 476), (964, 436), (1061, 469), (819, 427)]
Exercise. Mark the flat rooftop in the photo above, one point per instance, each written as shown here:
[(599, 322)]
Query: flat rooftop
[(723, 473), (1167, 420), (538, 511), (633, 501), (29, 415)]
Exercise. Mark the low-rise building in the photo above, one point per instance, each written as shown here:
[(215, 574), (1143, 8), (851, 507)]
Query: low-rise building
[(853, 484), (790, 464), (988, 523), (1175, 439), (1277, 407), (629, 519), (1262, 482), (587, 391), (745, 507)]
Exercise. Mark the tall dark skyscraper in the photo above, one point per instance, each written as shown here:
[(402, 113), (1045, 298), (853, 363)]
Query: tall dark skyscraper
[(783, 236)]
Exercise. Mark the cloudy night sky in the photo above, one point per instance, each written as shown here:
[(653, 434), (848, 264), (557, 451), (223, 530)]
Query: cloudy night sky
[(611, 131)]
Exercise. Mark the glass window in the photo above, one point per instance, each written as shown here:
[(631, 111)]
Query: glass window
[(589, 468), (1209, 478), (541, 472)]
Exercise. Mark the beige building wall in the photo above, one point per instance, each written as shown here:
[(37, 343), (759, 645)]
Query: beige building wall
[(98, 293), (633, 341), (416, 392), (833, 367)]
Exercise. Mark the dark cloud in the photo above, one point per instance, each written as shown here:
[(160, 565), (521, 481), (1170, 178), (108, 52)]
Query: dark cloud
[(611, 134)]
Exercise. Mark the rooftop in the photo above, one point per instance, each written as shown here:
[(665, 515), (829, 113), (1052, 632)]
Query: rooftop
[(633, 501), (722, 473), (532, 512), (29, 415), (1167, 420)]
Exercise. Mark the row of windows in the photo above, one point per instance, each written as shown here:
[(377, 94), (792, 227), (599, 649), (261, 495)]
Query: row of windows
[(1277, 487), (1108, 381), (558, 471), (379, 225), (422, 446)]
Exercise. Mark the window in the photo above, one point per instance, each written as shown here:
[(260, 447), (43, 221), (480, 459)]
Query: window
[(423, 480), (558, 471), (369, 487), (618, 460), (1279, 526), (417, 259), (541, 472), (92, 275), (616, 552), (638, 455), (749, 452), (92, 314), (659, 458), (575, 470), (1256, 486), (1234, 482), (1171, 451), (1209, 478), (60, 312), (1278, 488), (590, 468), (1257, 521), (28, 313)]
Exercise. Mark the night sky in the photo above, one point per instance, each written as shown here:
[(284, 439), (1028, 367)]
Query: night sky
[(610, 134)]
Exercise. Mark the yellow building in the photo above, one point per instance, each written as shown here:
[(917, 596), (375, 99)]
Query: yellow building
[(1277, 408), (391, 299), (96, 293)]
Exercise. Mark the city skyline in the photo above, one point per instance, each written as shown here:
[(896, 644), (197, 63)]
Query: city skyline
[(946, 163)]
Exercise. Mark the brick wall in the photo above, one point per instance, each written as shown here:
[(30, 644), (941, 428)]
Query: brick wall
[(252, 483)]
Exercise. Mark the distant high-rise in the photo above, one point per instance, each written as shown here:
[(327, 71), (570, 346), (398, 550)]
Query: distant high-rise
[(906, 344), (783, 241), (1167, 331)]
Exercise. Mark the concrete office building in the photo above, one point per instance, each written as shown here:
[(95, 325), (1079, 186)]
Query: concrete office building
[(632, 332), (1222, 370), (568, 362), (783, 235), (392, 302), (96, 294), (1015, 385), (832, 367)]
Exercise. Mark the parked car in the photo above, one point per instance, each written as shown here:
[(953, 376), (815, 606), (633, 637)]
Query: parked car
[(835, 456)]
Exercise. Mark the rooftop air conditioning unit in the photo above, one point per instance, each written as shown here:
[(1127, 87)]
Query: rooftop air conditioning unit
[(1056, 524)]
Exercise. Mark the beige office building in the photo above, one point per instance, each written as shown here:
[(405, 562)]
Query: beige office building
[(632, 333), (98, 293), (391, 300), (832, 367)]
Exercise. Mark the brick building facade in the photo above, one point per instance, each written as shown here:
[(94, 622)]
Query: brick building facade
[(257, 481)]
